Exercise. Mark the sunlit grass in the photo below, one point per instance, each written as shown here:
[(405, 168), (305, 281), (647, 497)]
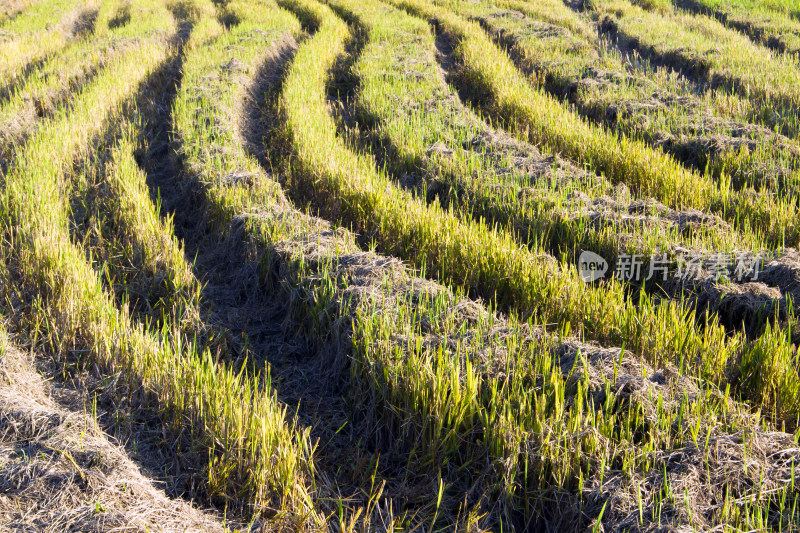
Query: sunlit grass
[(705, 128), (507, 393), (253, 453), (506, 95)]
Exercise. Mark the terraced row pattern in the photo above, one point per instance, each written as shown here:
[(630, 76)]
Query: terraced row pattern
[(51, 84), (502, 419), (773, 24), (39, 32), (561, 51), (253, 454), (703, 48), (443, 399), (496, 86), (346, 186), (436, 147)]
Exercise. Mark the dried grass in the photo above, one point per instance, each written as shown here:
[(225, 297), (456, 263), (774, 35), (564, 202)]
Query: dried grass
[(61, 472)]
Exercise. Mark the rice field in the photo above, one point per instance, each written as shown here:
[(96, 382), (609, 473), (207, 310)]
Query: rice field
[(399, 265)]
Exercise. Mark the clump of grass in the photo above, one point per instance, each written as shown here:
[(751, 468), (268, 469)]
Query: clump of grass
[(9, 11)]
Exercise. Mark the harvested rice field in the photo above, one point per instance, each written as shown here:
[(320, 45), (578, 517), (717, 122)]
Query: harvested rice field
[(399, 266)]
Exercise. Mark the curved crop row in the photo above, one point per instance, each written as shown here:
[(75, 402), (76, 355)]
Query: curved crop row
[(253, 453), (705, 131), (122, 231), (507, 96), (200, 107), (703, 47), (41, 30), (443, 151), (51, 85), (435, 373), (346, 186)]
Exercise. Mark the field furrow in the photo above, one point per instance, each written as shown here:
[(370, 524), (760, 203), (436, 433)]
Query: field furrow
[(251, 451), (701, 128), (326, 280), (489, 78), (773, 24), (39, 32), (49, 488), (445, 397), (702, 48)]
